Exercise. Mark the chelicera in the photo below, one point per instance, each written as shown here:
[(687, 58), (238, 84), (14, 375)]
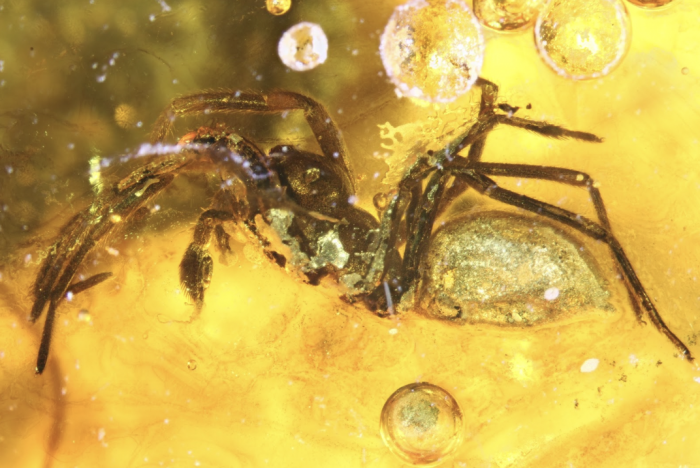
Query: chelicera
[(299, 205)]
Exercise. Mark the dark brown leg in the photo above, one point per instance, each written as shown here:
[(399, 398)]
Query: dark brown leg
[(197, 266), (419, 235), (75, 288), (229, 102), (564, 176), (488, 187)]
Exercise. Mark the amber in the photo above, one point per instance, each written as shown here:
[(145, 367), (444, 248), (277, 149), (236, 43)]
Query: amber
[(292, 375)]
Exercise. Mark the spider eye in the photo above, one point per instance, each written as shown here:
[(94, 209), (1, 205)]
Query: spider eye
[(506, 269)]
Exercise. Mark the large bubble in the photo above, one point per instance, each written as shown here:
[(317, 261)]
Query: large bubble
[(583, 39), (432, 50), (421, 423)]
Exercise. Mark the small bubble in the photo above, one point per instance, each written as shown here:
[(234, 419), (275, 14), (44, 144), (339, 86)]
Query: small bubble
[(650, 3), (278, 7), (145, 335), (421, 423), (589, 365), (84, 316), (551, 294), (507, 15), (303, 47), (125, 115), (191, 364), (685, 70), (583, 39), (380, 200), (432, 50)]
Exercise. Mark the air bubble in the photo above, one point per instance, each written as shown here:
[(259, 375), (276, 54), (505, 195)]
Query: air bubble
[(685, 70), (278, 7), (507, 15), (191, 364), (303, 47), (582, 39), (432, 51), (125, 115), (421, 423), (84, 316), (650, 3)]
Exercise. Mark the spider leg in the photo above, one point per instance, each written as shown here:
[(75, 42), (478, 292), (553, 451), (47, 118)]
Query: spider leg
[(326, 132), (75, 288), (422, 228), (564, 176), (488, 187), (78, 237), (547, 129), (197, 266)]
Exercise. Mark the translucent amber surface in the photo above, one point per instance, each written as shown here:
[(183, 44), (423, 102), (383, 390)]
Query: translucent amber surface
[(279, 373)]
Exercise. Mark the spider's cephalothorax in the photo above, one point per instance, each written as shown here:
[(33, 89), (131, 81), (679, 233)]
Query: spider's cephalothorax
[(299, 206)]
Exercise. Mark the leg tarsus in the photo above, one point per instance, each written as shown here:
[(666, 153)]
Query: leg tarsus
[(81, 286), (43, 356)]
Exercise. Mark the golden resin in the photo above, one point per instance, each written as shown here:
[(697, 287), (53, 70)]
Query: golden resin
[(276, 372), (507, 15), (582, 39)]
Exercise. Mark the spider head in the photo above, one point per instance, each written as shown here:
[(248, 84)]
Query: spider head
[(312, 181)]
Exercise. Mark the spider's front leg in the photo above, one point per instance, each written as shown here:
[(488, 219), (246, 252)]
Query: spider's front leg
[(114, 208)]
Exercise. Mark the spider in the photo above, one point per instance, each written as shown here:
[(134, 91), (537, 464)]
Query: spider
[(299, 205)]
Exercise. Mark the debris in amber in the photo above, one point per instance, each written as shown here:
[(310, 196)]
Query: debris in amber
[(278, 7), (507, 15), (422, 424), (582, 39), (303, 47), (650, 3), (432, 51)]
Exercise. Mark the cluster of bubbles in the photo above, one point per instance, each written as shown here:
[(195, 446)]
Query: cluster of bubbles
[(433, 49)]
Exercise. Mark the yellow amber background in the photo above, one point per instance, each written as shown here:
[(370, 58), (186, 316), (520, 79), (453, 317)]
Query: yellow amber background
[(287, 374)]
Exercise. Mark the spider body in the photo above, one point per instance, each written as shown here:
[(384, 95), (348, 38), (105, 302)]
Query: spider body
[(299, 206)]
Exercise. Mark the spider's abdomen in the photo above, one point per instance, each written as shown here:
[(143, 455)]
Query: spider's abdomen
[(506, 269)]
